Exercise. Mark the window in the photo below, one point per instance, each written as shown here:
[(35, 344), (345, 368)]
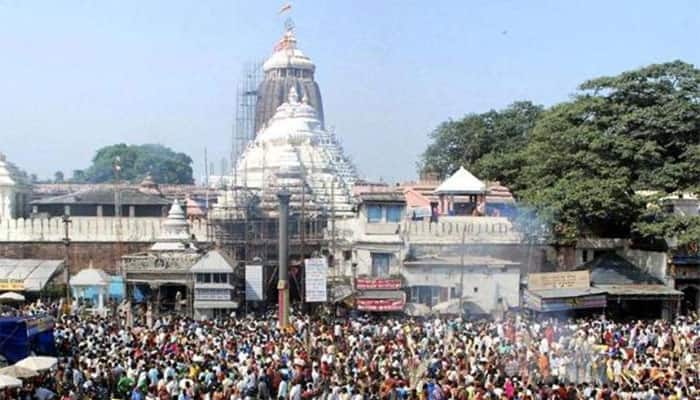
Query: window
[(220, 278), (203, 278), (347, 255), (393, 213), (380, 264), (476, 289), (584, 255), (374, 214)]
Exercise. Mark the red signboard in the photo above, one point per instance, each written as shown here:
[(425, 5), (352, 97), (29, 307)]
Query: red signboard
[(377, 283), (381, 304)]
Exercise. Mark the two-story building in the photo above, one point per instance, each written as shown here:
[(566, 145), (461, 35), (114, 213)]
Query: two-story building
[(214, 293), (371, 251)]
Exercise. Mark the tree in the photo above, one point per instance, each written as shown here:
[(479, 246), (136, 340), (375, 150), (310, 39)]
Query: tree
[(58, 177), (580, 165), (78, 176), (137, 161), (587, 158), (483, 143)]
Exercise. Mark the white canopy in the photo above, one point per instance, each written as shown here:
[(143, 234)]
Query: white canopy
[(461, 182), (11, 296), (90, 277), (9, 382), (38, 363)]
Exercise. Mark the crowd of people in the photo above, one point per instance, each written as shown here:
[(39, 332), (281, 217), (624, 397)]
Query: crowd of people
[(371, 357)]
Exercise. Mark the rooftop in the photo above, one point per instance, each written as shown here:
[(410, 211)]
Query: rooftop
[(611, 269), (213, 262), (105, 196), (461, 182), (455, 260), (383, 197)]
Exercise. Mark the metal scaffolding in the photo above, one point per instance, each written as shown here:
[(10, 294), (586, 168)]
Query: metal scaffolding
[(246, 99)]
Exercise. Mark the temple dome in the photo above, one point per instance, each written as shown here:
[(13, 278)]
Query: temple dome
[(175, 234), (5, 177), (10, 175), (293, 152), (286, 55)]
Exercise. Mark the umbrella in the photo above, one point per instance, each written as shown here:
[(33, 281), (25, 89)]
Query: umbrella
[(38, 363), (11, 296), (9, 382), (16, 371)]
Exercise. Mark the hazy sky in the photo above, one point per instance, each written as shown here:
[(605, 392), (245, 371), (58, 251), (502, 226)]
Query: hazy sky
[(77, 75)]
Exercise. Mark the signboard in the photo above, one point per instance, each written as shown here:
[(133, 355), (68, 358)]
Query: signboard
[(12, 284), (593, 301), (316, 279), (559, 280), (381, 304), (377, 283), (254, 283)]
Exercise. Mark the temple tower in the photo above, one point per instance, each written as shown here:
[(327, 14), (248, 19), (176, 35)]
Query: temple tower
[(287, 67)]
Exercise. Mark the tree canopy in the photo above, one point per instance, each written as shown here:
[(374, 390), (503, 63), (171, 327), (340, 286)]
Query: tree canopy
[(137, 161), (581, 164), (483, 143)]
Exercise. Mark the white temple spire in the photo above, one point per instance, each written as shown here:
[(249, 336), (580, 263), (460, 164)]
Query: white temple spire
[(293, 97)]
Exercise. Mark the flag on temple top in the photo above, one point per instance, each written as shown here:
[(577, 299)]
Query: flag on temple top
[(285, 8)]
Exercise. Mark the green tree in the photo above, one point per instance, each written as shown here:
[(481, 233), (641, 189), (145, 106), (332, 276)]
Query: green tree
[(487, 144), (58, 177), (136, 161), (78, 176), (586, 159)]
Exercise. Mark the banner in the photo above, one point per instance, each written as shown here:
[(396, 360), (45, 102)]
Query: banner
[(12, 284), (316, 279), (381, 304), (559, 280), (377, 283), (254, 283)]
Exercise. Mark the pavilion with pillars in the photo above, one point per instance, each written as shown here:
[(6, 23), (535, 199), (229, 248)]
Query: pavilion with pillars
[(461, 194)]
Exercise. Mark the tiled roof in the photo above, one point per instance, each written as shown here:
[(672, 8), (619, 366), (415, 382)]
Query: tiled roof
[(105, 196)]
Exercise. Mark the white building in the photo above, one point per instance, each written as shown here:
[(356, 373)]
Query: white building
[(14, 190), (482, 284), (213, 289)]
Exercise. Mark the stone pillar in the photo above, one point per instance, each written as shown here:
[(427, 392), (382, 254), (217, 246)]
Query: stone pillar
[(132, 211), (100, 211), (283, 280), (66, 210)]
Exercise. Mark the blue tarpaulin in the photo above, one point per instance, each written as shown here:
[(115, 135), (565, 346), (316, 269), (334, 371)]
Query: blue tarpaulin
[(115, 291), (21, 336)]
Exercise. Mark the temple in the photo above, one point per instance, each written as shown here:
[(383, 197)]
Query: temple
[(291, 149), (287, 68)]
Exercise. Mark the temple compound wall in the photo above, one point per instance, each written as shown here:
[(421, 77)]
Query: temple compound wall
[(90, 229), (102, 241)]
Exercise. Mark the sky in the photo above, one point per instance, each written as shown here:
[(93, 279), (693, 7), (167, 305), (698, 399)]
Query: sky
[(76, 75)]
